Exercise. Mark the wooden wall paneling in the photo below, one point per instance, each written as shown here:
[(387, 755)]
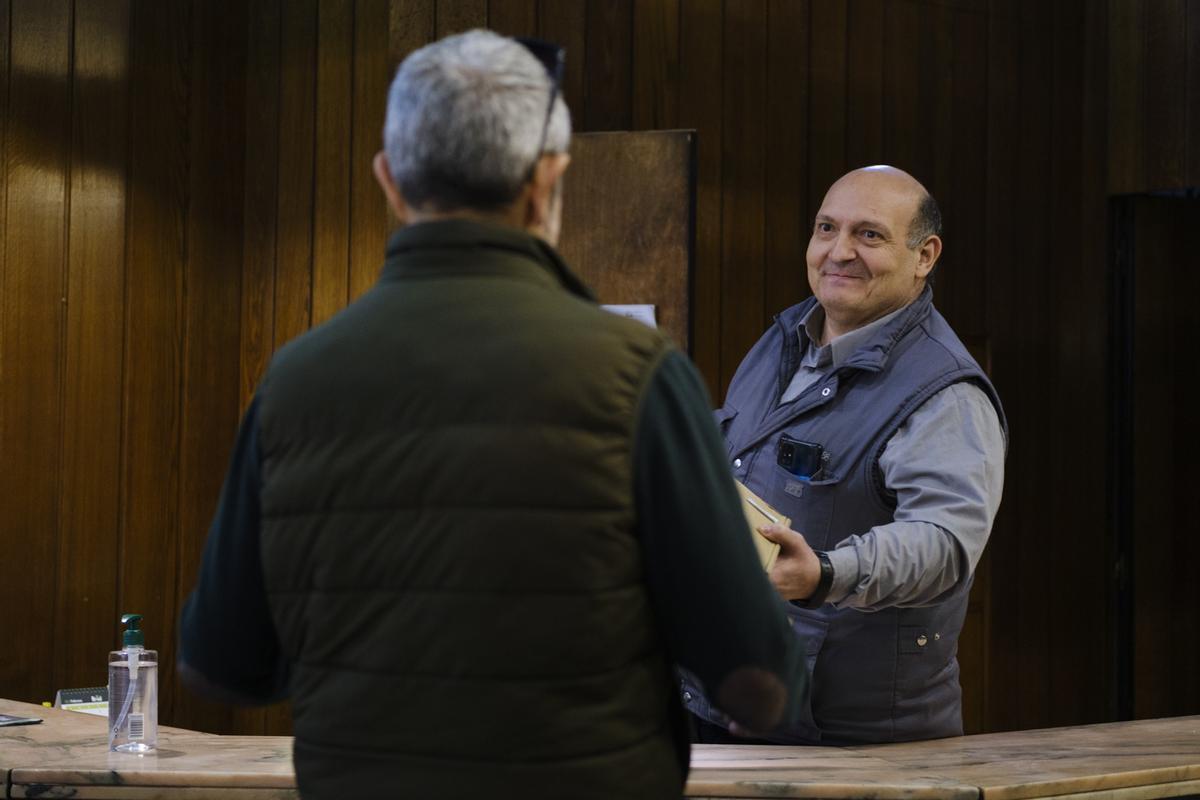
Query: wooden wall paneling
[(211, 309), (827, 101), (609, 45), (864, 83), (456, 16), (635, 182), (902, 115), (1192, 97), (1076, 314), (86, 604), (260, 196), (961, 285), (1042, 645), (1166, 126), (1011, 348), (655, 55), (382, 37), (787, 125), (1126, 96), (960, 292), (564, 22), (513, 17), (331, 200), (155, 252), (701, 59), (31, 339), (297, 153), (743, 151)]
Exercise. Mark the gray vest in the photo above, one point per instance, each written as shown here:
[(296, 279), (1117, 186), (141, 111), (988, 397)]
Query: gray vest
[(885, 676)]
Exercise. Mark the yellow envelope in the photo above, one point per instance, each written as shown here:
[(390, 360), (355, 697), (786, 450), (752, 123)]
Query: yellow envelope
[(758, 513)]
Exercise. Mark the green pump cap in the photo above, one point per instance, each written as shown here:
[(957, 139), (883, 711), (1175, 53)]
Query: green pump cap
[(133, 636)]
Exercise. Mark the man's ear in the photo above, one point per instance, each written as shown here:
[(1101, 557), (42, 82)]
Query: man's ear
[(383, 174), (546, 176), (927, 255)]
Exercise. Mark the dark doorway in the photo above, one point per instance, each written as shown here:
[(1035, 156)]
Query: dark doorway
[(1155, 470)]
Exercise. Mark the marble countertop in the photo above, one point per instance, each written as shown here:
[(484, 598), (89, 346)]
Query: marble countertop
[(67, 755)]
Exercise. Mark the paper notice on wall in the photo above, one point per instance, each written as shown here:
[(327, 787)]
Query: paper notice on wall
[(642, 313)]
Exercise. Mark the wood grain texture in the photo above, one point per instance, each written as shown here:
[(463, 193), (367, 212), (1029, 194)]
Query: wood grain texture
[(32, 323), (655, 65), (89, 497), (609, 45), (1192, 97), (788, 218), (380, 41), (260, 195), (743, 139), (297, 154), (701, 58), (513, 17), (1126, 97), (156, 252), (827, 99), (456, 16), (334, 130), (628, 240), (864, 82), (211, 314), (1166, 124)]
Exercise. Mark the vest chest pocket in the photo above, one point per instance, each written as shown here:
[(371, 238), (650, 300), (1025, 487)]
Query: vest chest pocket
[(810, 505), (724, 418)]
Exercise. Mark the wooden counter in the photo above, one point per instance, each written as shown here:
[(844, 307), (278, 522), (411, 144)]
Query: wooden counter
[(67, 756)]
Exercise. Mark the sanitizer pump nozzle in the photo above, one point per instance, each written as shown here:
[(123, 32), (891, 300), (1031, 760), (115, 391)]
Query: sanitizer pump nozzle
[(132, 692)]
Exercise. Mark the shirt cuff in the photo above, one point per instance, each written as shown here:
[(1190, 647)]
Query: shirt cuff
[(845, 573)]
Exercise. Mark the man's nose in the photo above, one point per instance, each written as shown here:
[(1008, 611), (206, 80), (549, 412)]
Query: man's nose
[(843, 248)]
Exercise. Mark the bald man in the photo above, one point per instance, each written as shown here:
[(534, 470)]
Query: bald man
[(861, 416)]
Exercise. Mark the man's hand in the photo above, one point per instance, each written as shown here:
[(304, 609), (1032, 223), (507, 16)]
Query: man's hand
[(796, 571)]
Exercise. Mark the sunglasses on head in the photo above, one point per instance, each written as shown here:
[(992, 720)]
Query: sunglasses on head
[(552, 57)]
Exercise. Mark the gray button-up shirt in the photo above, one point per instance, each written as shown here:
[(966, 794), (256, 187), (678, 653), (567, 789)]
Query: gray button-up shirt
[(946, 466)]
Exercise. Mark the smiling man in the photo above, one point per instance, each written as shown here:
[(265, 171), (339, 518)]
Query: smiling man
[(862, 417)]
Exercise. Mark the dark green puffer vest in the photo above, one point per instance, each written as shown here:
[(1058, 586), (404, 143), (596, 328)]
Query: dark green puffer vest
[(448, 534)]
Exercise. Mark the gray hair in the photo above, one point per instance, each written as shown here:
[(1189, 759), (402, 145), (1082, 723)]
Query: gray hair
[(925, 223), (464, 120)]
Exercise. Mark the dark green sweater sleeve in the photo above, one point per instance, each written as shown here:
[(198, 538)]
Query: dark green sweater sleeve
[(715, 607)]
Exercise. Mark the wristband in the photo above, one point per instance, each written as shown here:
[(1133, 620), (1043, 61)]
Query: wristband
[(824, 584)]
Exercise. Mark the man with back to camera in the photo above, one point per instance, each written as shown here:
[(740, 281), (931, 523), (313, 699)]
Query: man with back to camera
[(470, 520), (861, 416)]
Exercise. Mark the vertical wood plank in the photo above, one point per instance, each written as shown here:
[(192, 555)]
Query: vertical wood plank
[(456, 16), (155, 255), (961, 282), (410, 26), (564, 22), (701, 59), (787, 215), (609, 30), (211, 308), (1010, 350), (743, 107), (89, 500), (655, 57), (37, 154), (513, 17), (1193, 92), (380, 37), (864, 83), (901, 112), (297, 140), (260, 196), (331, 202), (827, 98), (1126, 97), (1166, 74)]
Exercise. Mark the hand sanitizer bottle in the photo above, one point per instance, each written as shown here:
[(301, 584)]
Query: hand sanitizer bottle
[(132, 693)]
